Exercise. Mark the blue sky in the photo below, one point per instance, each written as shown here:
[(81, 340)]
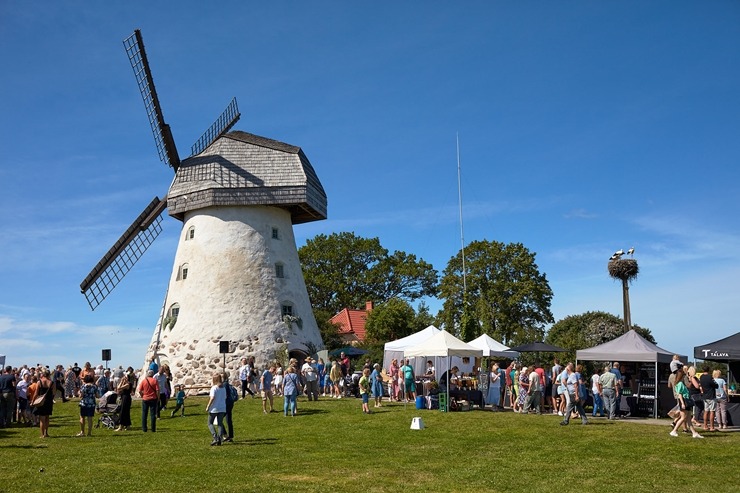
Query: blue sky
[(584, 127)]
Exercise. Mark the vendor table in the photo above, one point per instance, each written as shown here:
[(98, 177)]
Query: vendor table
[(474, 396)]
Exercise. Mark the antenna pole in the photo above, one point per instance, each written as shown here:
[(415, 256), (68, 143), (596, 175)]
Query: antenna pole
[(462, 229)]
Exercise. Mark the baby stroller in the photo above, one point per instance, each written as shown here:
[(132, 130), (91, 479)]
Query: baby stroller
[(109, 410), (352, 385)]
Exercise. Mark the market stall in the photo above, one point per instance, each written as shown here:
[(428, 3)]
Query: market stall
[(727, 351), (443, 346), (646, 392)]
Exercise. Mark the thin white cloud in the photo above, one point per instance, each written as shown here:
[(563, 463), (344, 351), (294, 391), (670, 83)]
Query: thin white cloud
[(580, 213)]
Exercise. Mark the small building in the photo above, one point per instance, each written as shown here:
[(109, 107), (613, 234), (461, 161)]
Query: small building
[(351, 324)]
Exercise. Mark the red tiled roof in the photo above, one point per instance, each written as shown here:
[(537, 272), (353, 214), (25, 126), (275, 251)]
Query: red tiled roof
[(351, 323)]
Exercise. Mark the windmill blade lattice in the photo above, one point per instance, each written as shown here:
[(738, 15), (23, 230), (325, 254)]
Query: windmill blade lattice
[(222, 125), (124, 254), (134, 45)]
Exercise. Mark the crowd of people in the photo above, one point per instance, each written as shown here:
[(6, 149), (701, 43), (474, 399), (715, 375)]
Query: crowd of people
[(27, 394)]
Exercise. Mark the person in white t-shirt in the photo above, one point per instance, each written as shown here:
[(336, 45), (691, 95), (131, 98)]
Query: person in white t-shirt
[(598, 401), (216, 409)]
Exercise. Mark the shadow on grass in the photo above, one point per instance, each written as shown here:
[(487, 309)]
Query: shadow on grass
[(254, 443), (309, 412), (22, 446)]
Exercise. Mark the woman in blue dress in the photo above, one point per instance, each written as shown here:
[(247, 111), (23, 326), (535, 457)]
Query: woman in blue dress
[(493, 396), (376, 384)]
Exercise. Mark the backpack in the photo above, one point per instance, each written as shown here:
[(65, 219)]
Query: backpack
[(232, 395)]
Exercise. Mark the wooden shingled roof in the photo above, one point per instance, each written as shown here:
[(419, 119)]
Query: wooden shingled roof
[(245, 169)]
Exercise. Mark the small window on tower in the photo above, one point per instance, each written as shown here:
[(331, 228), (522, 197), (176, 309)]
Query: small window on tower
[(174, 310), (190, 234), (287, 310), (275, 234), (183, 273), (279, 271)]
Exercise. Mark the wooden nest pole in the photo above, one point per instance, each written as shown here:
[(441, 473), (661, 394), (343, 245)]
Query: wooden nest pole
[(625, 270)]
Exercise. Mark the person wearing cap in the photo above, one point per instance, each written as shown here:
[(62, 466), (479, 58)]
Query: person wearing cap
[(311, 377), (149, 391)]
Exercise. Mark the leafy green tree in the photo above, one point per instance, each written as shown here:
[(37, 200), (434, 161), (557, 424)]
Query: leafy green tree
[(424, 318), (588, 330), (393, 320), (343, 270), (507, 297), (329, 331)]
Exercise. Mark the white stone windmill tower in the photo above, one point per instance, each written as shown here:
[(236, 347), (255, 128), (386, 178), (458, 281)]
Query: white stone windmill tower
[(236, 275)]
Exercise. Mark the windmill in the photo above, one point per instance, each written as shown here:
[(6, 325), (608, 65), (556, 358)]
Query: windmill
[(236, 275)]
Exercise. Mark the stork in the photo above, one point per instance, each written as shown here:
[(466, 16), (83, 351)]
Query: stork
[(631, 251)]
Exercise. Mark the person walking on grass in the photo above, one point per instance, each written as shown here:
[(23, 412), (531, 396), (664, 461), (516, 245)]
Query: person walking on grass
[(409, 381), (266, 389), (88, 393), (291, 385), (179, 401), (335, 375), (534, 394), (232, 395), (709, 396), (721, 399), (576, 400), (608, 391), (149, 392), (365, 390), (376, 384), (216, 409), (598, 402), (245, 372), (44, 387), (685, 405)]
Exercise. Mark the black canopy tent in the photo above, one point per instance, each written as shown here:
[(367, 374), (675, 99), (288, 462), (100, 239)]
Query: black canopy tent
[(725, 350)]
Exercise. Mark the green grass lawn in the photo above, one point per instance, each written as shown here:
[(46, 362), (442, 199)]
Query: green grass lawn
[(332, 446)]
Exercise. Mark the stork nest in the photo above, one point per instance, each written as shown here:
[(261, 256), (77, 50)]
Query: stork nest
[(624, 269)]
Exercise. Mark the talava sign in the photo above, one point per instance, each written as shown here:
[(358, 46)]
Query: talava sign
[(709, 353)]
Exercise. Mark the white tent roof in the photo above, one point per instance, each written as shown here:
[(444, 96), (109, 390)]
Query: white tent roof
[(443, 344), (491, 347), (628, 347), (394, 349), (412, 340)]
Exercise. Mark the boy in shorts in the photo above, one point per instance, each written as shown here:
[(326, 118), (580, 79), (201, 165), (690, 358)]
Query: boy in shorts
[(266, 388)]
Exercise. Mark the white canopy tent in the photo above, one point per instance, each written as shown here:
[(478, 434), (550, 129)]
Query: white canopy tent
[(442, 346), (492, 348), (394, 349)]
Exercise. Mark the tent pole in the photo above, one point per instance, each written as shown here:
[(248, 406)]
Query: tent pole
[(655, 391)]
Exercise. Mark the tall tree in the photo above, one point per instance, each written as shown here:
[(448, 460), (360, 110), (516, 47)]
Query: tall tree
[(343, 270), (507, 297)]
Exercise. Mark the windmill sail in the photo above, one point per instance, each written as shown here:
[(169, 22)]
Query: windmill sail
[(222, 125), (123, 254), (134, 45)]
